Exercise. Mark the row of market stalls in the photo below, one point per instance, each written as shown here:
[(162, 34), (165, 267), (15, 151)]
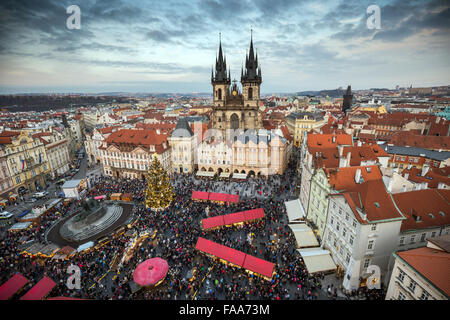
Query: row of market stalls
[(315, 258), (227, 255), (224, 175), (233, 219), (215, 197), (14, 287)]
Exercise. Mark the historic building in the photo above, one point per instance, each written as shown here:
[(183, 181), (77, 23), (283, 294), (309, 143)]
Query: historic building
[(237, 141), (233, 109), (26, 158), (127, 153)]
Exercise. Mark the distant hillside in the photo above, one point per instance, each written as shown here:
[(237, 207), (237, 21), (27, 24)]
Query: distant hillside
[(15, 103)]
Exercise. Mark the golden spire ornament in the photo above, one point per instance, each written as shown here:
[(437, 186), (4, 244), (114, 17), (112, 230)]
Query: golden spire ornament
[(159, 192)]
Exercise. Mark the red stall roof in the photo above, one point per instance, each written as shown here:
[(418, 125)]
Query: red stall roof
[(226, 253), (233, 218), (10, 287), (40, 289), (213, 196), (259, 266), (236, 257), (233, 198), (200, 195), (212, 222)]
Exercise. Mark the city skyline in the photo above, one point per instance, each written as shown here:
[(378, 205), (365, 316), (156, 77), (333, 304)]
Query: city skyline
[(149, 46)]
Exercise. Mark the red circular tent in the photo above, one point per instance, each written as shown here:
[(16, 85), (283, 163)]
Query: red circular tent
[(151, 272)]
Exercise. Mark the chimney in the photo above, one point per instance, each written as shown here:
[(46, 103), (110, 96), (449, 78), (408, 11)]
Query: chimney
[(425, 170), (349, 156), (406, 175), (158, 131), (359, 143), (334, 139), (358, 175), (340, 150)]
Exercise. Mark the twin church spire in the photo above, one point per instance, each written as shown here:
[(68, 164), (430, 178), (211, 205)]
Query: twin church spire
[(252, 71)]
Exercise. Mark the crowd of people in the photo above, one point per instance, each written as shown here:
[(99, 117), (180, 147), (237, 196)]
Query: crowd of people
[(192, 274)]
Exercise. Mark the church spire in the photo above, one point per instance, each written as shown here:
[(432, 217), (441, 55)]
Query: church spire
[(221, 65), (251, 72)]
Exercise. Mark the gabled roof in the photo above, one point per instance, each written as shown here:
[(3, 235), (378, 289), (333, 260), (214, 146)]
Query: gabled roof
[(424, 208), (431, 264)]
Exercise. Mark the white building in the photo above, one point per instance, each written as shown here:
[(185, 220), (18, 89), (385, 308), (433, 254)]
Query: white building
[(422, 273), (362, 229)]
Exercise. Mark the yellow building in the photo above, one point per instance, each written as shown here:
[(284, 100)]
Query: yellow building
[(26, 159), (299, 122)]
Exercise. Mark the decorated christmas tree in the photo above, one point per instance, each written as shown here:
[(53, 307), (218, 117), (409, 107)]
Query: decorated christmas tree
[(159, 192)]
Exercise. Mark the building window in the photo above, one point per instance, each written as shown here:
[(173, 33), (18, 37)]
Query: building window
[(401, 275), (354, 223), (412, 286), (402, 241), (370, 245), (338, 225), (366, 263), (374, 227), (413, 238), (422, 238), (424, 295), (351, 240), (344, 232), (401, 296)]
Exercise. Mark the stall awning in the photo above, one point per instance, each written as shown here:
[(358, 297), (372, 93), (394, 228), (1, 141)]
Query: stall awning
[(205, 174), (304, 235), (200, 195), (239, 176), (260, 266), (236, 257), (85, 246), (224, 175), (64, 298), (294, 210), (40, 289), (20, 226), (232, 218), (10, 287), (226, 253), (317, 260)]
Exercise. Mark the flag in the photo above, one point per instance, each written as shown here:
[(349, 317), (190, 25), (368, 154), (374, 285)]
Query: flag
[(40, 158), (23, 165)]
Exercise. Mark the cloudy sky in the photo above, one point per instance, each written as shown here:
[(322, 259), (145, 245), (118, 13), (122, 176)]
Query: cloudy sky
[(170, 46)]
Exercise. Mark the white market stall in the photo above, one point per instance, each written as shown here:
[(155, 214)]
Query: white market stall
[(73, 188), (205, 174), (239, 175), (304, 235), (295, 211), (317, 260)]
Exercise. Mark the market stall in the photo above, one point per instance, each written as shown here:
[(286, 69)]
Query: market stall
[(40, 290), (207, 174), (200, 195), (12, 286), (317, 260), (240, 176), (74, 188), (304, 236), (238, 218), (85, 246), (20, 226), (295, 211), (236, 258), (127, 197), (115, 196), (151, 272)]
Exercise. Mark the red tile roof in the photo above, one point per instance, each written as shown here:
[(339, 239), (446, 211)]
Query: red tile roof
[(125, 139), (420, 203), (431, 264), (326, 140), (432, 177)]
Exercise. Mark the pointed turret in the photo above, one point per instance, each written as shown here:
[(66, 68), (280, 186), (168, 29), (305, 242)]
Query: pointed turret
[(220, 75), (251, 65)]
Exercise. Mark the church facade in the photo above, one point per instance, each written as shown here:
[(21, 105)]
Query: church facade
[(237, 141)]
